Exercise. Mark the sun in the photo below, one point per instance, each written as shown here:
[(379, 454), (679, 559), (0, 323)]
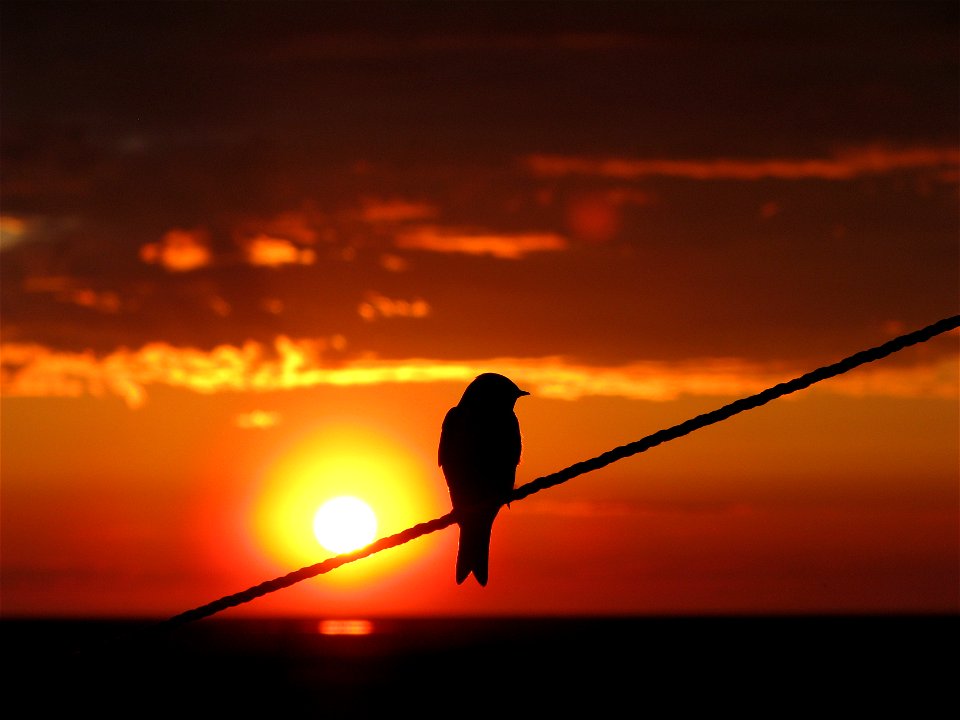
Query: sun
[(336, 488), (344, 523)]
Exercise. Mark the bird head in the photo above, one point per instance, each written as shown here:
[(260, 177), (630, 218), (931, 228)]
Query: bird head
[(492, 390)]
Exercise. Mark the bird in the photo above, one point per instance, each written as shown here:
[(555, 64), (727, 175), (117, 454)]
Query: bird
[(479, 452)]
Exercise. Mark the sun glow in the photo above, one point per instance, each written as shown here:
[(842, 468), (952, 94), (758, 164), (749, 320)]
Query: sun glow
[(311, 493), (344, 523)]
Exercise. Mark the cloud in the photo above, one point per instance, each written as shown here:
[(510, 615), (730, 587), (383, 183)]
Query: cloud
[(68, 290), (396, 211), (179, 250), (299, 226), (12, 231), (377, 306), (16, 229), (30, 370), (270, 243), (279, 240), (844, 165), (503, 246), (268, 251)]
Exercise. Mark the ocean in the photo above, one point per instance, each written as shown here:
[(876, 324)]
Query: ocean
[(505, 667)]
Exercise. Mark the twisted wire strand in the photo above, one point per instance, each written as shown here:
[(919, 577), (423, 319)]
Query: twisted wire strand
[(580, 468)]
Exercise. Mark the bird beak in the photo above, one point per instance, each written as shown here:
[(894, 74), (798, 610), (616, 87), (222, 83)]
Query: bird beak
[(523, 392)]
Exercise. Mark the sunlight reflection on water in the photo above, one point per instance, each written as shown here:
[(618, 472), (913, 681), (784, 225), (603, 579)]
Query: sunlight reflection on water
[(345, 627)]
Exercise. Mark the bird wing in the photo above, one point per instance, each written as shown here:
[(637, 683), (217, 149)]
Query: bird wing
[(456, 457), (479, 454), (452, 436)]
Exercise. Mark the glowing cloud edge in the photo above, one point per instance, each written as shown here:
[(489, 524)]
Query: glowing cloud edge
[(33, 370)]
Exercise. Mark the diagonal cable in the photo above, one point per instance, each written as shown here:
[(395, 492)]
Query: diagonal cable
[(561, 476)]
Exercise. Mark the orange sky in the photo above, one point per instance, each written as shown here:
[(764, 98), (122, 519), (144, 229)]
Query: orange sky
[(250, 261)]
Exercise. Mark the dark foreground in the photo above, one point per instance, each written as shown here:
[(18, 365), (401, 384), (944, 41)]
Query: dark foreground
[(656, 667)]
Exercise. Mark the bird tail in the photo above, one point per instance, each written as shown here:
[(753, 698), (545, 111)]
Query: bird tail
[(473, 555)]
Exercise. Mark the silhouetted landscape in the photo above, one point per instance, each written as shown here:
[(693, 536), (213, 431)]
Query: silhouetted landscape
[(763, 666)]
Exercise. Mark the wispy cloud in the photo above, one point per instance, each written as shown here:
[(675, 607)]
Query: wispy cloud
[(505, 246), (37, 371), (68, 290), (396, 210), (179, 250), (268, 251), (844, 165), (295, 225), (16, 229), (379, 306), (285, 239), (12, 231)]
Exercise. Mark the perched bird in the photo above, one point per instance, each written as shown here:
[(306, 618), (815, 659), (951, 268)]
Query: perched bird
[(479, 453)]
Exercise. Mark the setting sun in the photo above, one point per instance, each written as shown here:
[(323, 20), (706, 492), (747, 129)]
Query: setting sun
[(311, 493), (344, 523)]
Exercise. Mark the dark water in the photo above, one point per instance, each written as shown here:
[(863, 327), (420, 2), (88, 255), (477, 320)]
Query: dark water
[(677, 667)]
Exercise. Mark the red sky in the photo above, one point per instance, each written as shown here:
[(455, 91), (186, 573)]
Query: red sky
[(251, 253)]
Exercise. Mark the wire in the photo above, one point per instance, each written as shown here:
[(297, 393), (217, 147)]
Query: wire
[(611, 456)]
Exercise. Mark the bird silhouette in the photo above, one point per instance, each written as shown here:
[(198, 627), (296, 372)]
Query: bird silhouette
[(479, 453)]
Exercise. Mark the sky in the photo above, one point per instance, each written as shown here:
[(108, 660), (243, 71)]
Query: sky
[(252, 252)]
